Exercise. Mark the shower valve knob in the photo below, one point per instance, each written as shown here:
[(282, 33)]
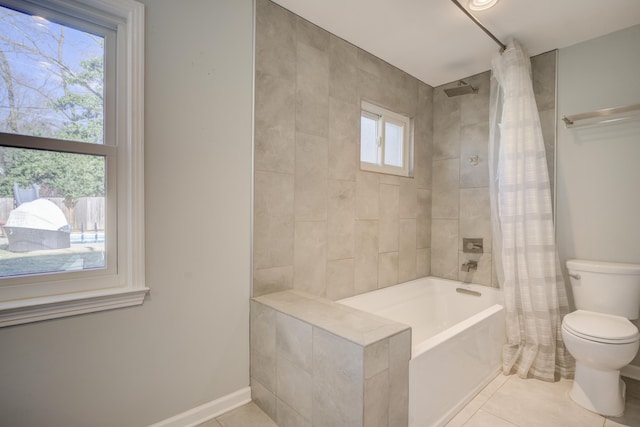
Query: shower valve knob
[(472, 245)]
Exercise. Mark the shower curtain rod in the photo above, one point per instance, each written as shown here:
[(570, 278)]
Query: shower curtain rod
[(479, 24)]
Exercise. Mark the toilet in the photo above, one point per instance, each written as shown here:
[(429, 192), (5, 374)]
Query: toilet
[(599, 334)]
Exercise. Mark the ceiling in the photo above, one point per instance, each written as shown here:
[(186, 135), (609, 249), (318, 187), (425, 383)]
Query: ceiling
[(434, 41)]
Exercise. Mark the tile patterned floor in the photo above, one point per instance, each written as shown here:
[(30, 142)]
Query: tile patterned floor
[(248, 415), (514, 402), (505, 402)]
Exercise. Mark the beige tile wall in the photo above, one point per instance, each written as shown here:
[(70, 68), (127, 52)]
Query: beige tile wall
[(321, 225), (315, 362), (460, 206)]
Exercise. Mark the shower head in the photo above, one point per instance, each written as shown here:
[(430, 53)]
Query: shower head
[(463, 88)]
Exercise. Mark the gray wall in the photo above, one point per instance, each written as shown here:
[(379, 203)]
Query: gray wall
[(598, 181), (598, 173), (322, 225), (461, 188), (189, 343)]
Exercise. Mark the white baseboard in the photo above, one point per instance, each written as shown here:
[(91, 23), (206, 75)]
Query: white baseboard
[(208, 411), (631, 371)]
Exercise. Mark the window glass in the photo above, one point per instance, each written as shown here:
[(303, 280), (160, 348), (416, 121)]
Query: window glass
[(369, 138), (393, 138), (53, 79), (52, 212), (52, 203)]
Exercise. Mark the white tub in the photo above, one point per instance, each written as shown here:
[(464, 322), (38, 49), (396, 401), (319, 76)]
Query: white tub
[(457, 341)]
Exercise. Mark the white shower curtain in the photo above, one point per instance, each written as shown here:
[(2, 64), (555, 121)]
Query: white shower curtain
[(522, 222)]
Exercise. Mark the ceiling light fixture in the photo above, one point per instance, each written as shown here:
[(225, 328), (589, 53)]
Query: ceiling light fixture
[(481, 4)]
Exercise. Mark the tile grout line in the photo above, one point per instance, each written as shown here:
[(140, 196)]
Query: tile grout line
[(487, 400)]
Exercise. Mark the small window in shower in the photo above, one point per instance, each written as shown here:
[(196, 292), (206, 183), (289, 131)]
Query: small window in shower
[(385, 141)]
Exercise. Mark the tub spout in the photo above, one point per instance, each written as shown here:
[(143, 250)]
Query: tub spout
[(469, 266)]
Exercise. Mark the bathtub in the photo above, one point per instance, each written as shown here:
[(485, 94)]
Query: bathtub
[(456, 339)]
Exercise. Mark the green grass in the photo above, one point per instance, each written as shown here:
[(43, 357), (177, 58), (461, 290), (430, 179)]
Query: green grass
[(82, 256)]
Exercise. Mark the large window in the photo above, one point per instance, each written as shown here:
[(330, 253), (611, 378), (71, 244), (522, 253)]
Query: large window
[(385, 141), (70, 157)]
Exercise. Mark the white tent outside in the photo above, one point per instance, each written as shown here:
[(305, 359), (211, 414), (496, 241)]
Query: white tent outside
[(40, 214)]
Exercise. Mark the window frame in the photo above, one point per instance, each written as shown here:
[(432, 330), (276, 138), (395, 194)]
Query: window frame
[(383, 116), (25, 299)]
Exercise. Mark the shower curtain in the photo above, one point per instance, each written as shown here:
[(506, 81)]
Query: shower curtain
[(522, 224)]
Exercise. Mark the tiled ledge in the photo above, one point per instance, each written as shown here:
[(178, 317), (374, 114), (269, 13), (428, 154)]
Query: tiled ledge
[(316, 362), (351, 324)]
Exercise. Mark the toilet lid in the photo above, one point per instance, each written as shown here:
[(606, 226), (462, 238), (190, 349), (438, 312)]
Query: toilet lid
[(601, 327)]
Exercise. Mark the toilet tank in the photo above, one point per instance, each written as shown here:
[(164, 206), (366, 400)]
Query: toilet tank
[(606, 287)]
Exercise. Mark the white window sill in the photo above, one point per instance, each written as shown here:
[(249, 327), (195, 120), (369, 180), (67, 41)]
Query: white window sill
[(385, 169), (53, 307)]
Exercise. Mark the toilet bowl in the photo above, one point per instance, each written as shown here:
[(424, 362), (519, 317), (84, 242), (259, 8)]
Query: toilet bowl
[(602, 344), (599, 334)]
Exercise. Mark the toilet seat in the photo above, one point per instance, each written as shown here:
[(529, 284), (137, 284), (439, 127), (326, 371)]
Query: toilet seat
[(600, 327)]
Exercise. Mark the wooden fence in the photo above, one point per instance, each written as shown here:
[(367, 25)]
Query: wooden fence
[(89, 211)]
